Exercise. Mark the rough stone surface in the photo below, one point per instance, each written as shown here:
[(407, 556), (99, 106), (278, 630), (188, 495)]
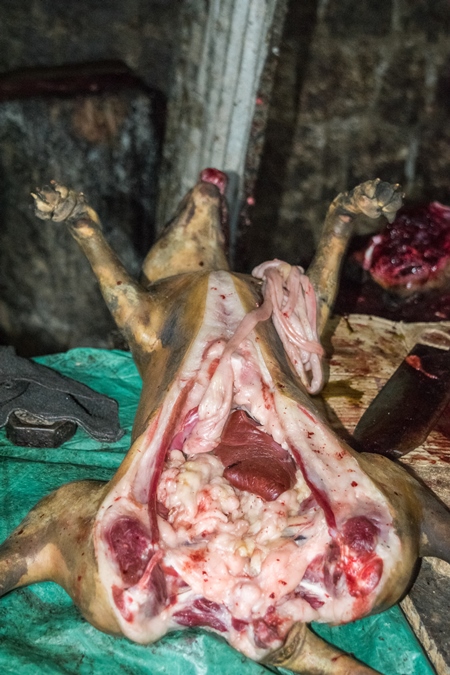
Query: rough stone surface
[(142, 33), (362, 90), (104, 145)]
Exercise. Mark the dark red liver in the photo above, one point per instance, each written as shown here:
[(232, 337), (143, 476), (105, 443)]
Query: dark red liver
[(253, 460)]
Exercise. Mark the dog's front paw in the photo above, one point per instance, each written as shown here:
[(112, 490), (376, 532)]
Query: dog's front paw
[(56, 202)]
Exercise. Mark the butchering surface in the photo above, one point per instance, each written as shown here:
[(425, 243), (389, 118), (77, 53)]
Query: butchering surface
[(366, 350), (306, 536)]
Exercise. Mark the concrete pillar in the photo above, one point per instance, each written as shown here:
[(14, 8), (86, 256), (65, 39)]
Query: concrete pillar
[(223, 48)]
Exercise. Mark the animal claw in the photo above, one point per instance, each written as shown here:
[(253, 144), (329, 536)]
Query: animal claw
[(43, 207), (376, 197), (60, 189), (56, 202), (370, 187)]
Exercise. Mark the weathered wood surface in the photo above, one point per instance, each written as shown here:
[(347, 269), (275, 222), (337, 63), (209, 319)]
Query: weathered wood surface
[(363, 353)]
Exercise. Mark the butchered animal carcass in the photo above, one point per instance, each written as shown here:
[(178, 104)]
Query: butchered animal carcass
[(236, 507)]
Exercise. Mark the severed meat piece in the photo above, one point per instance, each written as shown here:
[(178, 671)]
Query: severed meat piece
[(413, 252)]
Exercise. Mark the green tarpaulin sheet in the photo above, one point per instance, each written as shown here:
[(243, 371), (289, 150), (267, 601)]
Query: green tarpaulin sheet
[(41, 631)]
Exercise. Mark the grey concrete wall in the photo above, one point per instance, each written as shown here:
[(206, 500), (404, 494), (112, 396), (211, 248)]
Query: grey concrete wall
[(362, 90), (103, 145), (57, 32), (224, 46)]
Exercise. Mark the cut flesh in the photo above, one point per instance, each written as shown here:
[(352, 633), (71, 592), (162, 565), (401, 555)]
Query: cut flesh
[(413, 252), (189, 537)]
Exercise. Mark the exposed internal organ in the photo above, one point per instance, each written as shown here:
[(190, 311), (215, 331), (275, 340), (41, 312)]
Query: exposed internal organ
[(290, 299), (253, 460), (306, 536), (412, 253)]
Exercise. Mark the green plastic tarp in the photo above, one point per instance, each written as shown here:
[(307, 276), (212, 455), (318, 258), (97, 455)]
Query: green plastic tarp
[(41, 631)]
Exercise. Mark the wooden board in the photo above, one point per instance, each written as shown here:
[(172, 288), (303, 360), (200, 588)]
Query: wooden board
[(363, 353)]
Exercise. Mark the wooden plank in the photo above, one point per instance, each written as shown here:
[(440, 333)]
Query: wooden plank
[(363, 352)]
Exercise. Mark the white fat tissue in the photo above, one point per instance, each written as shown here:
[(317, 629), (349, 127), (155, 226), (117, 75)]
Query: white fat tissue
[(253, 561), (239, 532)]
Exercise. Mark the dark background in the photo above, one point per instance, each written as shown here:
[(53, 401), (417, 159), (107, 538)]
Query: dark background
[(361, 89)]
